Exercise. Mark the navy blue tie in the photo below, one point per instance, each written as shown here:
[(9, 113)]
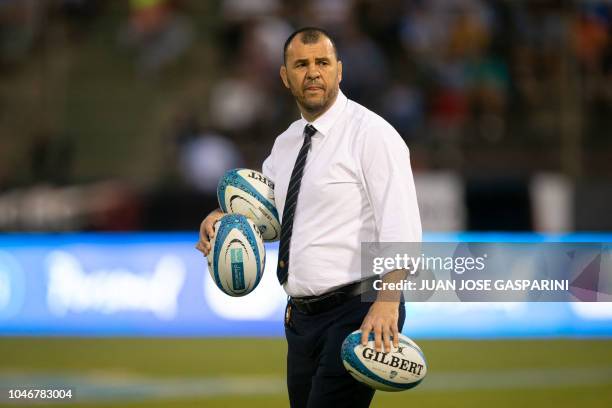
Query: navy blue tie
[(290, 203)]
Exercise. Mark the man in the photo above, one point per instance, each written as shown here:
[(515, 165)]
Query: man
[(342, 176)]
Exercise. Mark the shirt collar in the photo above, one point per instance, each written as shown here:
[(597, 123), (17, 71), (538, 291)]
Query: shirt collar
[(326, 121)]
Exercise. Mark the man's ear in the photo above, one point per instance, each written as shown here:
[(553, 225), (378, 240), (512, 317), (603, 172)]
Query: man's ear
[(283, 75), (339, 71)]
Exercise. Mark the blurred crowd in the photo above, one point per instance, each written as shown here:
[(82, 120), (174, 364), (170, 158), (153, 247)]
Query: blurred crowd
[(473, 86), (453, 76)]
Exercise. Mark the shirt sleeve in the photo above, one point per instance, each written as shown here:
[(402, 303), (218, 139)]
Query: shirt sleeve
[(268, 169), (389, 183)]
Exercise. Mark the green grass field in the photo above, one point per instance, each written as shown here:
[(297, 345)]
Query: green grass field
[(238, 372)]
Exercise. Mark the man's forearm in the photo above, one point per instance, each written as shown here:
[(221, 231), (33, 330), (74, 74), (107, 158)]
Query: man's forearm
[(388, 295)]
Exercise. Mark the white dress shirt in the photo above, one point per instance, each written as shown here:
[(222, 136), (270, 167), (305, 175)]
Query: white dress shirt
[(357, 187)]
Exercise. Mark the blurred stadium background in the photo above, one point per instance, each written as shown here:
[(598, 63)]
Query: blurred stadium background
[(118, 117)]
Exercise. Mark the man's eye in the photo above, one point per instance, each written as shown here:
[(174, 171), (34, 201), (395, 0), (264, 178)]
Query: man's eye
[(323, 63)]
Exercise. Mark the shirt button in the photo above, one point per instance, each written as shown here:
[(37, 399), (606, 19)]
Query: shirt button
[(281, 264)]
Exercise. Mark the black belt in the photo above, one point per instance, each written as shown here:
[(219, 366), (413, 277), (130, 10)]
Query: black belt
[(311, 305)]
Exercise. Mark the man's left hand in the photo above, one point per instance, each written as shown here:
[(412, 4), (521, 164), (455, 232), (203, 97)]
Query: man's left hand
[(382, 320)]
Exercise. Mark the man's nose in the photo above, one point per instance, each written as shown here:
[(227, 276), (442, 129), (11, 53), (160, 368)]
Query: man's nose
[(313, 72)]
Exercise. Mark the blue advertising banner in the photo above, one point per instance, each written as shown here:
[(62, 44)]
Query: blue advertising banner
[(159, 285)]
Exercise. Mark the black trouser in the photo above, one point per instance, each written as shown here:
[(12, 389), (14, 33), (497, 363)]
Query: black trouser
[(316, 377)]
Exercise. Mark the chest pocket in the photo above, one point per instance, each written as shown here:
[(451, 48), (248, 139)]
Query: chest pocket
[(329, 178)]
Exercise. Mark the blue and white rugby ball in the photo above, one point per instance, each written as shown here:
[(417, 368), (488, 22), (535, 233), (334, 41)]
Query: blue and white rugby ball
[(237, 257), (250, 193), (400, 369)]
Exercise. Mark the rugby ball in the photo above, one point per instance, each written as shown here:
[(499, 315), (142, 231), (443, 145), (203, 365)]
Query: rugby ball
[(400, 369), (250, 193), (237, 257)]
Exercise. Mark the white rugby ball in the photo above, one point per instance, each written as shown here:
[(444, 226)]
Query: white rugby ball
[(237, 257), (250, 193), (400, 369)]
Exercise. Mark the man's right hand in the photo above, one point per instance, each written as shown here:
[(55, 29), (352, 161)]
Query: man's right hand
[(207, 231)]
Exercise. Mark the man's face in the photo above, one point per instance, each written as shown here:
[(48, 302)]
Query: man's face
[(313, 74)]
